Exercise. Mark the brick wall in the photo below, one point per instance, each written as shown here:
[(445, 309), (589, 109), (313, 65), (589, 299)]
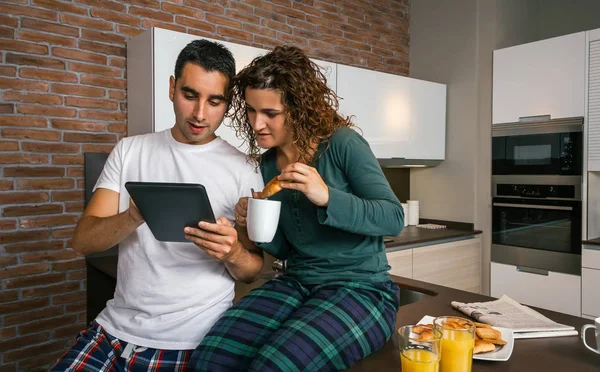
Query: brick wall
[(62, 87)]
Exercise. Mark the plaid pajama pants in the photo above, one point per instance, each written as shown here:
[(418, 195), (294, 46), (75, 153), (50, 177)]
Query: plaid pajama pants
[(285, 326), (97, 351)]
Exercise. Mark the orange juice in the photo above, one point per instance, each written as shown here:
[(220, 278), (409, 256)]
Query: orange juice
[(417, 360), (457, 351)]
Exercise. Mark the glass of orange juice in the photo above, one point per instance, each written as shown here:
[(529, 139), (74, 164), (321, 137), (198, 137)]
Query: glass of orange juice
[(419, 349), (458, 340)]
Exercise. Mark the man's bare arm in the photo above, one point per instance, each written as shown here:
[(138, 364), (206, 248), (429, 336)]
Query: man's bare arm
[(102, 226)]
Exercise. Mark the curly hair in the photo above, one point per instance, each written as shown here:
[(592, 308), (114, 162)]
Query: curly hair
[(310, 105)]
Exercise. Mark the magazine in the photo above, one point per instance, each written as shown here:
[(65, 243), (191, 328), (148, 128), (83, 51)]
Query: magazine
[(508, 313)]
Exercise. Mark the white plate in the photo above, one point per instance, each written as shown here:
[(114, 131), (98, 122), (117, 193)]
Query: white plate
[(502, 352)]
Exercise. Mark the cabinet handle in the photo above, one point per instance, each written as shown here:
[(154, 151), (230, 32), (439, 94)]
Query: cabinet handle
[(533, 206), (532, 270), (526, 119)]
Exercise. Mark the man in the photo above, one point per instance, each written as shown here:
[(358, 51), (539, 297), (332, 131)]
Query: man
[(168, 295)]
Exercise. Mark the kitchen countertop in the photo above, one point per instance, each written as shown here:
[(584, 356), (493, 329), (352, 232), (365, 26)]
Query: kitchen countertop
[(542, 354), (412, 236)]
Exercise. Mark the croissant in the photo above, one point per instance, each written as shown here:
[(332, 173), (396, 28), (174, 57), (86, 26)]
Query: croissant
[(272, 188)]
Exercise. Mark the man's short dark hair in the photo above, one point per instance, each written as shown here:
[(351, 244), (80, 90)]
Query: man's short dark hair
[(209, 55)]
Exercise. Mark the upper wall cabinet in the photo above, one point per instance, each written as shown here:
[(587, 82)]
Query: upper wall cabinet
[(545, 77), (594, 101), (400, 117), (151, 60)]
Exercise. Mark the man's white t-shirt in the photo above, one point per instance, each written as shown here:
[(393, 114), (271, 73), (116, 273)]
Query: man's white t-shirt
[(168, 295)]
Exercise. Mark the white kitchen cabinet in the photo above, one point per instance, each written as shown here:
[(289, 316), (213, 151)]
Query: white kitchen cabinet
[(151, 60), (554, 291), (401, 263), (454, 264), (590, 258), (590, 289), (545, 77), (400, 117), (594, 100)]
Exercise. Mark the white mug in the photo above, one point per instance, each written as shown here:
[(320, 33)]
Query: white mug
[(595, 326), (262, 219)]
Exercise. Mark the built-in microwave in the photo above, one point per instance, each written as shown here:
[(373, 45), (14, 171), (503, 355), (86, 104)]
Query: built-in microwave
[(552, 147)]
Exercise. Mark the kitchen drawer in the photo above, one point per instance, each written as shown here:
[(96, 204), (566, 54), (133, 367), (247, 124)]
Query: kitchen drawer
[(590, 258), (555, 291), (590, 292), (401, 263)]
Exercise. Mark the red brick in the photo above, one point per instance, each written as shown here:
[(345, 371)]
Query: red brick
[(23, 197), (67, 159), (8, 71), (40, 37), (47, 111), (112, 5), (22, 121), (42, 135), (64, 233), (32, 223), (22, 159), (20, 342), (7, 108), (88, 137), (148, 23), (55, 28), (60, 6), (50, 290), (86, 22), (115, 17), (46, 184), (182, 10), (34, 247), (8, 296), (71, 330), (289, 39), (20, 84), (44, 99), (21, 270), (117, 94), (152, 14), (91, 103), (270, 15), (8, 224), (129, 31), (237, 34), (78, 90), (46, 359), (32, 210), (55, 148), (103, 115), (68, 298), (36, 73), (146, 3), (28, 11), (210, 8), (9, 21), (34, 172), (78, 125), (68, 195), (35, 280), (103, 37), (225, 21), (103, 48), (117, 62), (198, 25), (79, 55), (74, 207), (33, 351), (6, 261), (97, 148), (6, 185), (310, 9), (75, 275), (243, 17), (103, 81), (75, 172), (20, 59), (80, 183)]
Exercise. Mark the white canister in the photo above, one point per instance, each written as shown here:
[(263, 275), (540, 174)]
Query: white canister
[(413, 212), (405, 207)]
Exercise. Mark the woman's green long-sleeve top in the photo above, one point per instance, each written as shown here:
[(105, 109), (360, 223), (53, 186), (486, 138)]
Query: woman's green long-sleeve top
[(344, 240)]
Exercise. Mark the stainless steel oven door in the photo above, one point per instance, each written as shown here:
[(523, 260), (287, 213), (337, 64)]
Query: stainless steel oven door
[(542, 234)]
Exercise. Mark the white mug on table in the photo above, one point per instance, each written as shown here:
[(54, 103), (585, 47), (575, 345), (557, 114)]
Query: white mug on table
[(595, 326)]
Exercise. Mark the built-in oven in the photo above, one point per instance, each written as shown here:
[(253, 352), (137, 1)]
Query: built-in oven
[(553, 147), (536, 222)]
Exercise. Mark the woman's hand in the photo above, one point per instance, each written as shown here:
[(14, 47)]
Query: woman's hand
[(306, 179), (240, 211)]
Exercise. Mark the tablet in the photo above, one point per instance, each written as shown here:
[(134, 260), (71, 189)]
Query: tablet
[(169, 207)]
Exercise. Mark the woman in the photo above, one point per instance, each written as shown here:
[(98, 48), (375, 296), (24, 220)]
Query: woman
[(336, 303)]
